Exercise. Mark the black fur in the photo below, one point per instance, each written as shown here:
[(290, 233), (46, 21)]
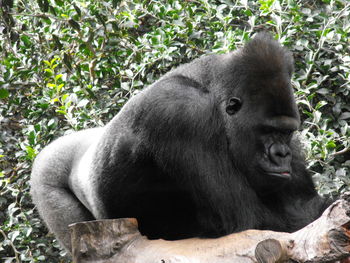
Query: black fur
[(178, 162)]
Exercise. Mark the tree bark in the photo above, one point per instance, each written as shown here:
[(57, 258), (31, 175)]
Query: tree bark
[(327, 239)]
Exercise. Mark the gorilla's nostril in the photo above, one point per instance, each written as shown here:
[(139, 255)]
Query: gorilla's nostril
[(278, 152), (282, 153)]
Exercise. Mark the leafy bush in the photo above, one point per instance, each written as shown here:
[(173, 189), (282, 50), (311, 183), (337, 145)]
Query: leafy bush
[(70, 65)]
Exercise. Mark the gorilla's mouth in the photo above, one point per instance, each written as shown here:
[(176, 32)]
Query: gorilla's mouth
[(281, 175)]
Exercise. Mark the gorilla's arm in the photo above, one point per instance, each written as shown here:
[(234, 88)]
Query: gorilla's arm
[(302, 202), (52, 188)]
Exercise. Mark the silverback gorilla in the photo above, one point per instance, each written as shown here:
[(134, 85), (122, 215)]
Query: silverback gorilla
[(205, 151)]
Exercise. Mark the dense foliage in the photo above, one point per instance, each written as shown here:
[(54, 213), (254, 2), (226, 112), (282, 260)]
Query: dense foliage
[(70, 65)]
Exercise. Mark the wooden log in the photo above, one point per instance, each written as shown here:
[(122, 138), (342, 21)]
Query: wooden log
[(327, 239)]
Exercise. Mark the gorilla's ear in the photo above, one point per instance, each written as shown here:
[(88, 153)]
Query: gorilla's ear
[(234, 105)]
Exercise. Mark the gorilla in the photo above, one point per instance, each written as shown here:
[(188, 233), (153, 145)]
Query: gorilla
[(207, 150)]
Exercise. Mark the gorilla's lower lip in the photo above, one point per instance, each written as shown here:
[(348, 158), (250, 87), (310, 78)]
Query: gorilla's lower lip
[(282, 175)]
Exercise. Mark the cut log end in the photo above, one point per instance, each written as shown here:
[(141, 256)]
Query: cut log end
[(269, 251)]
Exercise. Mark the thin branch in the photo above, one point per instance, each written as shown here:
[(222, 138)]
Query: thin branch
[(322, 39), (12, 245), (41, 15), (345, 150)]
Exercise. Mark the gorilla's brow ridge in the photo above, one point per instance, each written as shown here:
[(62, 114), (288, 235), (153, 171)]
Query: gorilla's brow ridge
[(186, 81)]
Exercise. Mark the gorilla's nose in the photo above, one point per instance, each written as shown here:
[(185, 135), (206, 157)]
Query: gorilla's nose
[(280, 154)]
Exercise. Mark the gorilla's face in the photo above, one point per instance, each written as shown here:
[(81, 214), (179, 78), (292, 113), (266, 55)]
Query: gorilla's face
[(261, 117)]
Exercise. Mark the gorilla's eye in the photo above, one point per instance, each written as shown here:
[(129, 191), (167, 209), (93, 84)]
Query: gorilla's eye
[(234, 104)]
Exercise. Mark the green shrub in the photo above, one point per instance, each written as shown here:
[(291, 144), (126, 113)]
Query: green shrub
[(70, 65)]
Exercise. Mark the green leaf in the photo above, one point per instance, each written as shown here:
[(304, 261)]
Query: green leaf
[(58, 77), (26, 40), (320, 104), (77, 9), (30, 153), (323, 91), (53, 60), (74, 24), (331, 145), (47, 63), (51, 122), (48, 71), (64, 97), (83, 103), (344, 116), (4, 93), (62, 112), (59, 87)]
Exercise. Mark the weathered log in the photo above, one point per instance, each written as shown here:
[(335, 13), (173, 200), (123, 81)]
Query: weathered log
[(327, 239)]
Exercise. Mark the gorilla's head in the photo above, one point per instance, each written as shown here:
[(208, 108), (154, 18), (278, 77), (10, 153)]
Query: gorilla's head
[(260, 112)]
